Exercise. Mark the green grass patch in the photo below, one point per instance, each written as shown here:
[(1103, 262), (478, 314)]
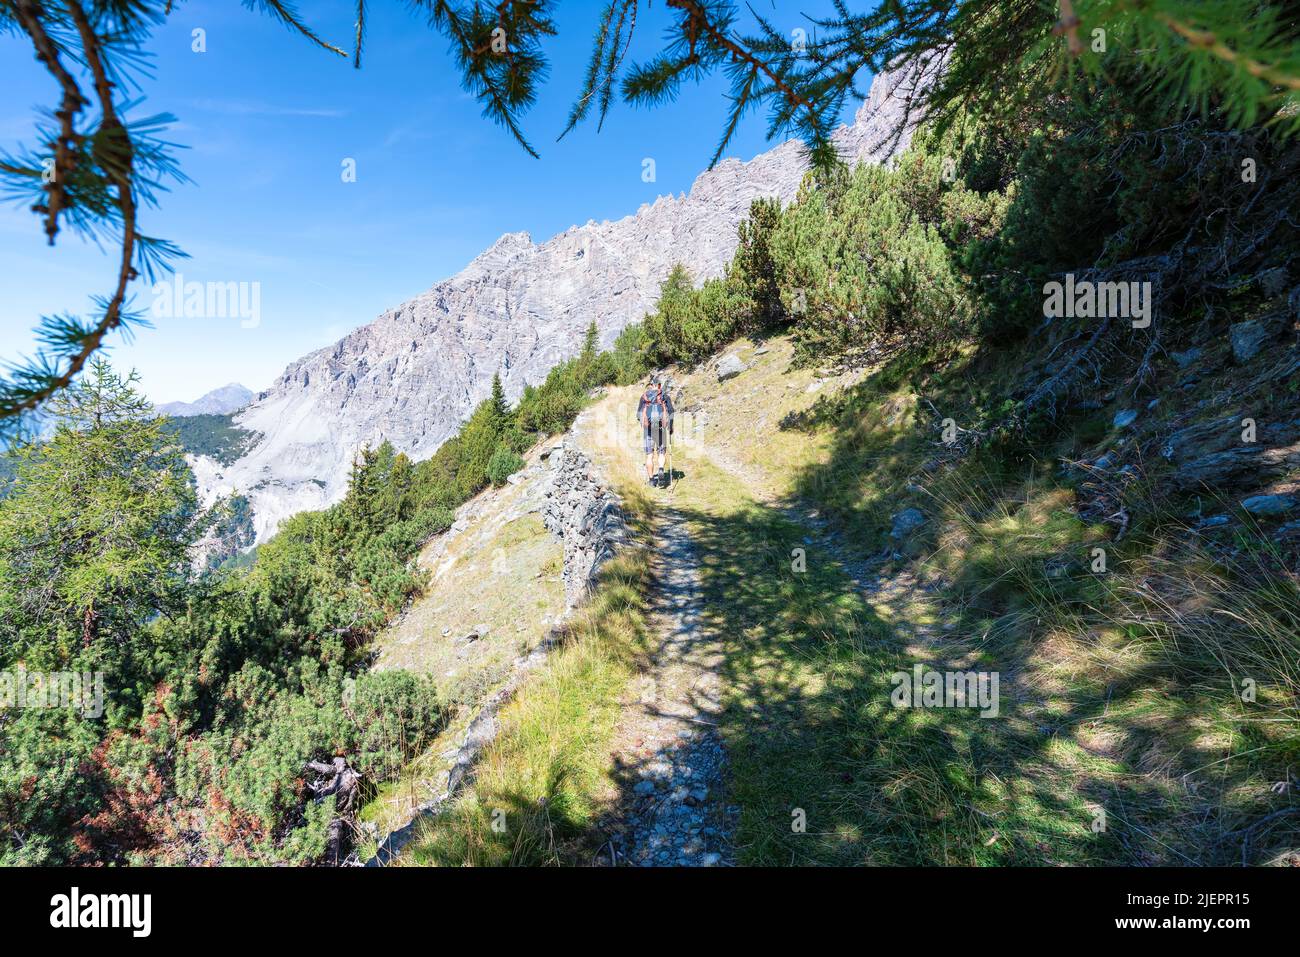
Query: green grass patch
[(815, 740), (1124, 689)]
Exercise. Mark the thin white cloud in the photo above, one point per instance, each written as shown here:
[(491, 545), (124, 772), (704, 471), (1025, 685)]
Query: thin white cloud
[(257, 108), (414, 131)]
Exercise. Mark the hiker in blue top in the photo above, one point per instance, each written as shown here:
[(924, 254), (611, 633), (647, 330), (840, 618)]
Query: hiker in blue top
[(655, 413)]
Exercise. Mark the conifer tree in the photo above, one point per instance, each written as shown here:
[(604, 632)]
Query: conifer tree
[(94, 535), (590, 344), (483, 432), (753, 269), (500, 408)]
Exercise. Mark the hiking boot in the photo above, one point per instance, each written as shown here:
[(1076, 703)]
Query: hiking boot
[(663, 479), (653, 481)]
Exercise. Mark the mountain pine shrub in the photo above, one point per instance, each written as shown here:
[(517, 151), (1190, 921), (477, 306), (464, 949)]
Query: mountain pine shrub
[(504, 464)]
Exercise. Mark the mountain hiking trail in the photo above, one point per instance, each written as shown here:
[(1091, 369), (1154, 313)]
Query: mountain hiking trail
[(668, 760), (894, 589), (668, 756), (673, 805), (752, 719)]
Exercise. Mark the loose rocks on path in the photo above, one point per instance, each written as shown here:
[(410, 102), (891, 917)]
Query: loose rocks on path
[(669, 759)]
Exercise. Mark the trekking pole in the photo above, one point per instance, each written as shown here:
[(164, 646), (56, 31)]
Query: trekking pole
[(672, 476)]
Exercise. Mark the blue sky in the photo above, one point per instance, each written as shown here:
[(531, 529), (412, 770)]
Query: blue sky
[(268, 120)]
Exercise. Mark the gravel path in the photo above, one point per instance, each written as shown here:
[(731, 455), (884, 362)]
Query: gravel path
[(669, 760)]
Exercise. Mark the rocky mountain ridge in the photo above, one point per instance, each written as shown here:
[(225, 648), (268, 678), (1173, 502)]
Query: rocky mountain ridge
[(414, 373), (220, 401)]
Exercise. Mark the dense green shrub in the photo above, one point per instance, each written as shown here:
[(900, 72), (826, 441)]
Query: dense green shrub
[(396, 714), (44, 789), (690, 324), (628, 357), (479, 438), (556, 401), (504, 463), (246, 774), (753, 270), (552, 406), (863, 257), (213, 435), (857, 265)]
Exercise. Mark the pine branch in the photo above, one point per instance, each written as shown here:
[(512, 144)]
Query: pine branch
[(596, 76), (741, 54), (739, 105), (68, 141), (1206, 40), (120, 174), (505, 83), (616, 56), (361, 29), (29, 387), (288, 15), (110, 167)]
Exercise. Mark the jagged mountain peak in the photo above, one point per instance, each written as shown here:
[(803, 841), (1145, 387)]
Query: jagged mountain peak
[(508, 247), (228, 398)]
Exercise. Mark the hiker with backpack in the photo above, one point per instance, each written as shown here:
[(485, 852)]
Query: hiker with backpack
[(655, 413)]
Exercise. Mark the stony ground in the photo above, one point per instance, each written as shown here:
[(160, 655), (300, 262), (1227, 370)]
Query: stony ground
[(669, 766), (669, 761), (494, 590)]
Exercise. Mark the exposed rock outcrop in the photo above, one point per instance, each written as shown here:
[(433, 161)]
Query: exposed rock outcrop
[(1247, 339), (586, 516), (730, 366), (1213, 454), (906, 522)]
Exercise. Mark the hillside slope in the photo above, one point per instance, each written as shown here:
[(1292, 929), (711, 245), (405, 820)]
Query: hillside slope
[(783, 602)]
